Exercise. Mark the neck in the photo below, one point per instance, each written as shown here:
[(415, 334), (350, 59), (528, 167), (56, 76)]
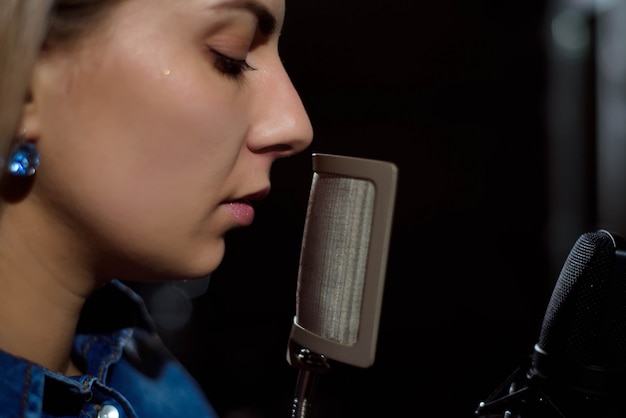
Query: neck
[(38, 324), (37, 330), (41, 296)]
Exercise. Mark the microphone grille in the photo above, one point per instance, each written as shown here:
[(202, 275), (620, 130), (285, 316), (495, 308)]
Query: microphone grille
[(586, 316), (344, 257)]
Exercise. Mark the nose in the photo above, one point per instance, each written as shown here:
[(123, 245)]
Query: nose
[(280, 123)]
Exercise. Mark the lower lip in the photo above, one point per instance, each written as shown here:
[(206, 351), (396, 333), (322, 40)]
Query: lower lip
[(242, 212)]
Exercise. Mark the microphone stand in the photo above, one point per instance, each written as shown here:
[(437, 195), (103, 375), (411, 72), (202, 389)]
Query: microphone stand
[(310, 366), (518, 396), (525, 394)]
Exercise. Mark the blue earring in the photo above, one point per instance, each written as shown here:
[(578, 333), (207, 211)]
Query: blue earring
[(23, 159)]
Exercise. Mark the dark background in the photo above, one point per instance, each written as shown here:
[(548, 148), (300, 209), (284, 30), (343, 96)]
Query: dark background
[(453, 92)]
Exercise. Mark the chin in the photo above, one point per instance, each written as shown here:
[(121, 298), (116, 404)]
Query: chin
[(184, 265), (204, 264), (172, 273)]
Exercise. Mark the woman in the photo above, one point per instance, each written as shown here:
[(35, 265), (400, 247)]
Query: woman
[(137, 134)]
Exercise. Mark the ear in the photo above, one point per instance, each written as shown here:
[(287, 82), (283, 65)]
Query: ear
[(16, 188), (30, 120)]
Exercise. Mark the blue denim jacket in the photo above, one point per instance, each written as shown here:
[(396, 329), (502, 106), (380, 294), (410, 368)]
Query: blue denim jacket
[(128, 370)]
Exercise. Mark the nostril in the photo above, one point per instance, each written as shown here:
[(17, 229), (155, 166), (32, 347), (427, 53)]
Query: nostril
[(279, 150)]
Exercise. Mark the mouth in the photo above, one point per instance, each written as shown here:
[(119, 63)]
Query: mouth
[(256, 197), (242, 208)]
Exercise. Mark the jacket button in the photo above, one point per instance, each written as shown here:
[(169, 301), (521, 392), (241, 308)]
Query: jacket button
[(109, 411)]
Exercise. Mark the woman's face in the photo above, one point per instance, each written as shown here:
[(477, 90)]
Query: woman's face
[(159, 129)]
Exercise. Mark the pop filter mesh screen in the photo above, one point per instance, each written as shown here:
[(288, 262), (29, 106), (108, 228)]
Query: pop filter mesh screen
[(334, 256)]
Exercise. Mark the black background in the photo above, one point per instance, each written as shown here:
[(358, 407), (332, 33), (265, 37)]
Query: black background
[(453, 92)]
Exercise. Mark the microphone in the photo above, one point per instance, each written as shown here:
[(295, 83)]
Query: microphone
[(578, 365), (342, 268)]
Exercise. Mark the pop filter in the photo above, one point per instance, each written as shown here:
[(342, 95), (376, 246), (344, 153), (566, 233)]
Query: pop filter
[(342, 268)]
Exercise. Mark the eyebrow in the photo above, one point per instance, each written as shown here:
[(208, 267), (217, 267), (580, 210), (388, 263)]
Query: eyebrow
[(266, 20)]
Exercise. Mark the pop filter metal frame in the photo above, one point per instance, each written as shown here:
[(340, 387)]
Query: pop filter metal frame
[(310, 351)]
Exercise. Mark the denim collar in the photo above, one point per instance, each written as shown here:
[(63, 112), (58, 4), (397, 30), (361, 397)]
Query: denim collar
[(109, 319)]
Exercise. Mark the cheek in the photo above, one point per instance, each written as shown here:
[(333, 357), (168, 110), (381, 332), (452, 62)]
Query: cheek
[(149, 121), (146, 142), (180, 143)]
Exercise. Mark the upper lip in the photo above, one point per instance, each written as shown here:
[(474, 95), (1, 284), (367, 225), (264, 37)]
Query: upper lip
[(253, 197)]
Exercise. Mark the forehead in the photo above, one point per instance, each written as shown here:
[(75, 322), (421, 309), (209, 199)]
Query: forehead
[(169, 17), (269, 13), (276, 8)]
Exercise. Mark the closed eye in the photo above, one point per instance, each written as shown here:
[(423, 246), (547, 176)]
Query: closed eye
[(229, 66)]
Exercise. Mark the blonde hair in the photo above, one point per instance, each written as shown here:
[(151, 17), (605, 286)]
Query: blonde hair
[(23, 25)]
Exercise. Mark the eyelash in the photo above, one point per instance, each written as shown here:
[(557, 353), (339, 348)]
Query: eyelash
[(230, 66)]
